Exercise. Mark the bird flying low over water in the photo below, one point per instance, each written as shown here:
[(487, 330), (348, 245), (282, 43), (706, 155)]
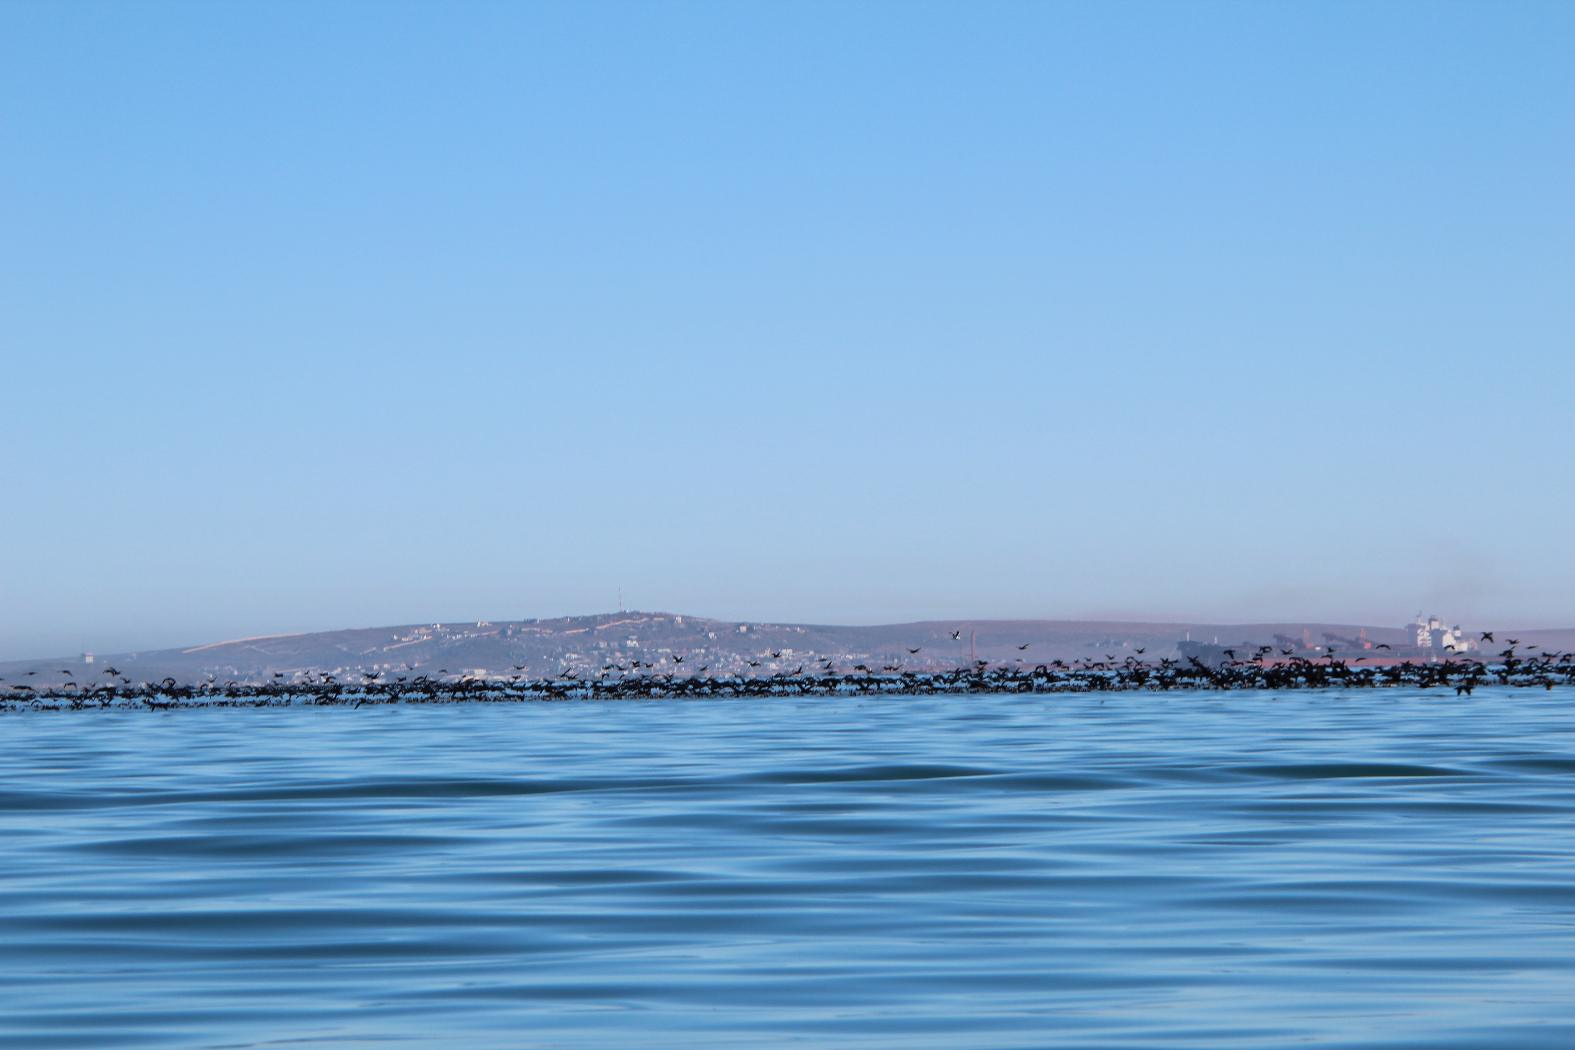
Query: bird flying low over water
[(957, 634)]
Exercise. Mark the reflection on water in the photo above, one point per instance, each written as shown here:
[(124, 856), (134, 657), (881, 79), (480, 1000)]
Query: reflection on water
[(1372, 870)]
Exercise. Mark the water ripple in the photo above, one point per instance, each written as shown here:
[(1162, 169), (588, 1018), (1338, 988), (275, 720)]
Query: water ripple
[(1242, 871)]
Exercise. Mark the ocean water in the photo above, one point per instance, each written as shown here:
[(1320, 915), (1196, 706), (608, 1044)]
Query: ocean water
[(1384, 869)]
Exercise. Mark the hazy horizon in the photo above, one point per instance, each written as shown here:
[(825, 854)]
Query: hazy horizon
[(388, 313), (1392, 622)]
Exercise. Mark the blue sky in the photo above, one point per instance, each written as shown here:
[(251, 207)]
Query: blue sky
[(334, 315)]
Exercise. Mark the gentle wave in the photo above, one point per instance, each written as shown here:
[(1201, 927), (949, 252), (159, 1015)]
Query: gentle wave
[(1248, 871)]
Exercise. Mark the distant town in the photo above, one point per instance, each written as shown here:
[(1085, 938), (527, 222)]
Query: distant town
[(1426, 638)]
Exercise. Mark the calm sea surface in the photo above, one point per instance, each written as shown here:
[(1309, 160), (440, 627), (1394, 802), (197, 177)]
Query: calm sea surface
[(1377, 870)]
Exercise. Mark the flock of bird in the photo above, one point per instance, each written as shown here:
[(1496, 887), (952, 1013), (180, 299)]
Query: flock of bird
[(1263, 669)]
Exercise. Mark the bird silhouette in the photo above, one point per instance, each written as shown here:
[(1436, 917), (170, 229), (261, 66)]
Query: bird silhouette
[(1115, 672)]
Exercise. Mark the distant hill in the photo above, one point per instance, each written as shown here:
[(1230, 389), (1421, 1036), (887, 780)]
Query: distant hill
[(536, 648)]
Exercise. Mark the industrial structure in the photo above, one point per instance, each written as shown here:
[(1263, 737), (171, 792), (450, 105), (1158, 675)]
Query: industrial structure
[(1432, 634)]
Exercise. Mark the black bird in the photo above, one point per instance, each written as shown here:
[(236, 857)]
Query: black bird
[(957, 634), (1487, 636), (678, 659), (914, 650), (1025, 645)]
